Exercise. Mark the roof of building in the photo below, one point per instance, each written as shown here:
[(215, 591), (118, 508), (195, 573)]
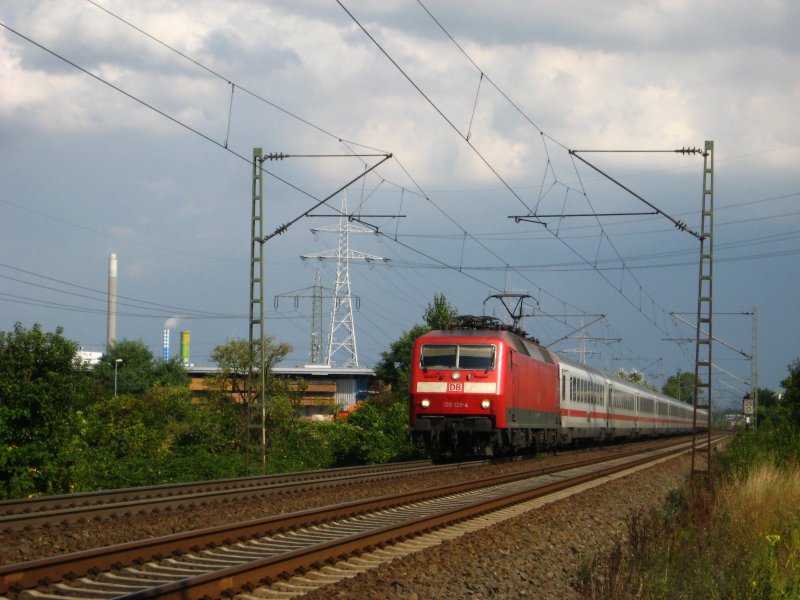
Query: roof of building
[(300, 371)]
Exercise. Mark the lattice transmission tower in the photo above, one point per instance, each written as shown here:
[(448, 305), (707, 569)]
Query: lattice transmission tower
[(317, 293), (342, 333)]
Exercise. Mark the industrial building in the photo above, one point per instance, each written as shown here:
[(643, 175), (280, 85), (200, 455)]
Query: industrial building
[(327, 390)]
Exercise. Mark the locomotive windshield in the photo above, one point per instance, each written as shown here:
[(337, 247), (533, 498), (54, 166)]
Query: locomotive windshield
[(464, 356)]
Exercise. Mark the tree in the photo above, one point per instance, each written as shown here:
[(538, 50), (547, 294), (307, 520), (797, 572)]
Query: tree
[(791, 394), (680, 386), (634, 377), (170, 373), (767, 397), (138, 371), (230, 387), (234, 360), (43, 386), (394, 367), (385, 429), (440, 313)]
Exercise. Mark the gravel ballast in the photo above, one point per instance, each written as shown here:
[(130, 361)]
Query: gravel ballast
[(535, 555)]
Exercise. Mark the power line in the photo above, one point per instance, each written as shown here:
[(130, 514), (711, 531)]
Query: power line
[(116, 237), (539, 129), (437, 109), (225, 147), (160, 112), (180, 123), (25, 300), (228, 81), (104, 295), (619, 288)]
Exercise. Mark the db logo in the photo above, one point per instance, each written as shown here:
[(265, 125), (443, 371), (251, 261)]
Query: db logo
[(455, 386)]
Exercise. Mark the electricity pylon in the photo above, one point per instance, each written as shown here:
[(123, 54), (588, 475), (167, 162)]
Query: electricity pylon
[(342, 334)]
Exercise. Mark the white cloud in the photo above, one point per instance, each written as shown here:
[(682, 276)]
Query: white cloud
[(590, 74)]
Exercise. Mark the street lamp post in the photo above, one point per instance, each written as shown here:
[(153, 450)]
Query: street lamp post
[(116, 366)]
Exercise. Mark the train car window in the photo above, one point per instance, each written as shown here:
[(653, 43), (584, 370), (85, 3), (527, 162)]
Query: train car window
[(476, 357), (438, 356)]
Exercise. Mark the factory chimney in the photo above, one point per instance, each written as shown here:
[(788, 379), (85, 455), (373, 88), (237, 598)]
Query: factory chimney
[(165, 354), (112, 302), (185, 347)]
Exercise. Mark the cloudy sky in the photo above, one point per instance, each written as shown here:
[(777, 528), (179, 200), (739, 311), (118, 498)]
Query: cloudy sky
[(129, 127)]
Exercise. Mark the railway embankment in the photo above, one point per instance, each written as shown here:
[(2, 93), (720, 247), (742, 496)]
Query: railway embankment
[(738, 538), (643, 533), (537, 552), (535, 555)]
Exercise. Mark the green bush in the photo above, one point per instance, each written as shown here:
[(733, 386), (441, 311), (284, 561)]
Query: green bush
[(738, 539), (64, 430), (42, 390)]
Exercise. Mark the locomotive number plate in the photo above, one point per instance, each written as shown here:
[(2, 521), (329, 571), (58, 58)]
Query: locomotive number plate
[(455, 405), (455, 386)]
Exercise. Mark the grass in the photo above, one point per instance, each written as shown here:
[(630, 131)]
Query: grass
[(739, 540)]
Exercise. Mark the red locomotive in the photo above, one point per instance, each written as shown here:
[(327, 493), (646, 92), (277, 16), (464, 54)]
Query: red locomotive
[(482, 388)]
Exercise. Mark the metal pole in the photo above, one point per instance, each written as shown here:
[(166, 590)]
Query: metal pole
[(754, 368), (257, 305), (116, 364), (704, 335)]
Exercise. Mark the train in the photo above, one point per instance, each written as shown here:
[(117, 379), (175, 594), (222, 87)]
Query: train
[(483, 388)]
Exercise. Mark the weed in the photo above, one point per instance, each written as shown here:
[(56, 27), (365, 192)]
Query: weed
[(740, 538)]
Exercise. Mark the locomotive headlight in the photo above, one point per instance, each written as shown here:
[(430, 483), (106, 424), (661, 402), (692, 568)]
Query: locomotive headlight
[(486, 404), (456, 376), (425, 403)]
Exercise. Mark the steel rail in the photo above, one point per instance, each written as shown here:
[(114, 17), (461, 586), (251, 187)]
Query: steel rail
[(93, 505), (41, 503), (30, 574), (227, 582)]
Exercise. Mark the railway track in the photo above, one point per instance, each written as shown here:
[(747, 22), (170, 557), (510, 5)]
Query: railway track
[(18, 515), (224, 561)]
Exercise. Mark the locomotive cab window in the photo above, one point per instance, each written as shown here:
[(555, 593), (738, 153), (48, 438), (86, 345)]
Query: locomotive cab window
[(440, 356), (449, 356), (476, 357)]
